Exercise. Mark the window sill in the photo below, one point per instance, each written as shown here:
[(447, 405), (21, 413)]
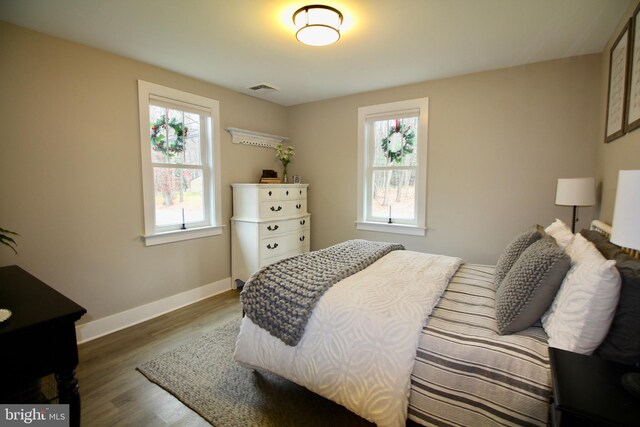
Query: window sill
[(381, 227), (180, 235)]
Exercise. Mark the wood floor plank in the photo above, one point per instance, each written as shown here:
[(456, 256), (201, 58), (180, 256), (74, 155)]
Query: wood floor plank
[(113, 393)]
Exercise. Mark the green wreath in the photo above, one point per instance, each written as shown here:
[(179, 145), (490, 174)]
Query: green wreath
[(158, 140), (406, 147)]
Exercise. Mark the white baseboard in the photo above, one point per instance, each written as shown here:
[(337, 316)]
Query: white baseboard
[(107, 325)]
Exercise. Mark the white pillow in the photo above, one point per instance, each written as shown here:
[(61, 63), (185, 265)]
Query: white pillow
[(561, 232), (582, 311)]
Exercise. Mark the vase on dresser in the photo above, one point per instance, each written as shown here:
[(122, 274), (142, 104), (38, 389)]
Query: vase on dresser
[(270, 222)]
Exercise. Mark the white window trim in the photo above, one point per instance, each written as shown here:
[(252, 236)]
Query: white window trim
[(368, 112), (152, 237)]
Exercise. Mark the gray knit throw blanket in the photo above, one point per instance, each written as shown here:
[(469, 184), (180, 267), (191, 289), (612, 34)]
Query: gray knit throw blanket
[(280, 297)]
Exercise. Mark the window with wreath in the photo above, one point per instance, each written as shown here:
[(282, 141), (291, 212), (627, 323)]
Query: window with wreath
[(180, 166), (392, 167)]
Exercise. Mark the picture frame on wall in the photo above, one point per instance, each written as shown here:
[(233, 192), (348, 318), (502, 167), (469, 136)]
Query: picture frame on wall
[(618, 77), (633, 96)]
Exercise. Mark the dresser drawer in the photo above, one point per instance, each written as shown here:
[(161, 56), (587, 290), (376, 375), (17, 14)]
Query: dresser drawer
[(269, 194), (275, 227), (280, 208), (274, 246), (294, 193), (272, 209), (301, 238), (271, 260), (299, 223), (305, 221), (295, 207)]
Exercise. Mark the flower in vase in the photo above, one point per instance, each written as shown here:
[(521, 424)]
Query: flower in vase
[(284, 155)]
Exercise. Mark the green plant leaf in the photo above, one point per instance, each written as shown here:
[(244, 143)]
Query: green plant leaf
[(8, 241)]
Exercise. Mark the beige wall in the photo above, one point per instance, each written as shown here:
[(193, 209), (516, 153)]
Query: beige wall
[(498, 142), (70, 177), (620, 154)]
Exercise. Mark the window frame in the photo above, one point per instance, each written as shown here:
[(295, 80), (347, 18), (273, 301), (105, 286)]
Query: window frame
[(366, 115), (210, 163)]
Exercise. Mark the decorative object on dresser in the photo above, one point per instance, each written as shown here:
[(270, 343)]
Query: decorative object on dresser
[(269, 177), (284, 155), (576, 192), (38, 340), (269, 223)]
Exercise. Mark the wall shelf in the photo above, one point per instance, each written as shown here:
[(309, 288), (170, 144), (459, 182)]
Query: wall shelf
[(256, 139)]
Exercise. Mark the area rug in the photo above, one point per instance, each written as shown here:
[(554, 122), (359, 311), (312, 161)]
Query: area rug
[(203, 375)]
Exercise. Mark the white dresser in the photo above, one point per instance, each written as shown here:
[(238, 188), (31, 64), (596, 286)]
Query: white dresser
[(270, 222)]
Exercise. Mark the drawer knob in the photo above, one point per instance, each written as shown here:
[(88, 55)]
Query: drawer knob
[(274, 209), (274, 228), (287, 192), (301, 192), (302, 238), (298, 206), (303, 222), (275, 245), (270, 193)]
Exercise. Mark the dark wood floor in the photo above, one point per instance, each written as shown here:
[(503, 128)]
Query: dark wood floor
[(113, 393)]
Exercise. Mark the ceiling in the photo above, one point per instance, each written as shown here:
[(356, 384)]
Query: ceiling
[(385, 43)]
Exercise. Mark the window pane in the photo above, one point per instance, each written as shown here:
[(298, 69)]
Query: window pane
[(175, 190), (395, 191), (395, 142), (192, 151), (157, 134), (175, 136)]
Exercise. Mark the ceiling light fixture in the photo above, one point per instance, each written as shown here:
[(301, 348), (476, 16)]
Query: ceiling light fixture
[(317, 25)]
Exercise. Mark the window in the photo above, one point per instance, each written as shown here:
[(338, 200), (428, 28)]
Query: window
[(179, 139), (392, 167)]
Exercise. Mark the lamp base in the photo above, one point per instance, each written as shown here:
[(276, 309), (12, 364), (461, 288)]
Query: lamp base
[(631, 383)]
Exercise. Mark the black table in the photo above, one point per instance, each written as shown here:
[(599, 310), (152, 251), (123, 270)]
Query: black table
[(587, 392), (39, 338)]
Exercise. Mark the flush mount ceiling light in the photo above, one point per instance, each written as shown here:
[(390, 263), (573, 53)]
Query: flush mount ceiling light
[(317, 25)]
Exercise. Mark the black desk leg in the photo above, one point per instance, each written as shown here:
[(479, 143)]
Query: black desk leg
[(68, 393)]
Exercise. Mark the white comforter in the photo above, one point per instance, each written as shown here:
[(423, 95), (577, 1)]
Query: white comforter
[(359, 345)]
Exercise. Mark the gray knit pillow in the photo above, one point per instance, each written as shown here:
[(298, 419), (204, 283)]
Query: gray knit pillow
[(529, 287), (513, 250)]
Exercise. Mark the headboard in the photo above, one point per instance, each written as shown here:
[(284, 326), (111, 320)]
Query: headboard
[(605, 229)]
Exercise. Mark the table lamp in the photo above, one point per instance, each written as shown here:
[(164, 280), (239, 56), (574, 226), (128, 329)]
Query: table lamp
[(576, 192), (625, 231)]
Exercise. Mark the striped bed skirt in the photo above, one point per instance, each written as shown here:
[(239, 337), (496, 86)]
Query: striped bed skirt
[(466, 374)]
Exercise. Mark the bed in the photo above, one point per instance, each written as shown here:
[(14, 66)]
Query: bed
[(427, 337)]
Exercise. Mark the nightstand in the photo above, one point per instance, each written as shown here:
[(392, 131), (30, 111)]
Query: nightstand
[(587, 392), (38, 339)]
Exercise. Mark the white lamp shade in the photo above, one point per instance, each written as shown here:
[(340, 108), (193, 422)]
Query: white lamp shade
[(317, 25), (576, 192), (625, 230)]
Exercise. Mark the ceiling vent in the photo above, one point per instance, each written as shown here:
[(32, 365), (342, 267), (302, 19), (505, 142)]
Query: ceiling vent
[(263, 87)]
